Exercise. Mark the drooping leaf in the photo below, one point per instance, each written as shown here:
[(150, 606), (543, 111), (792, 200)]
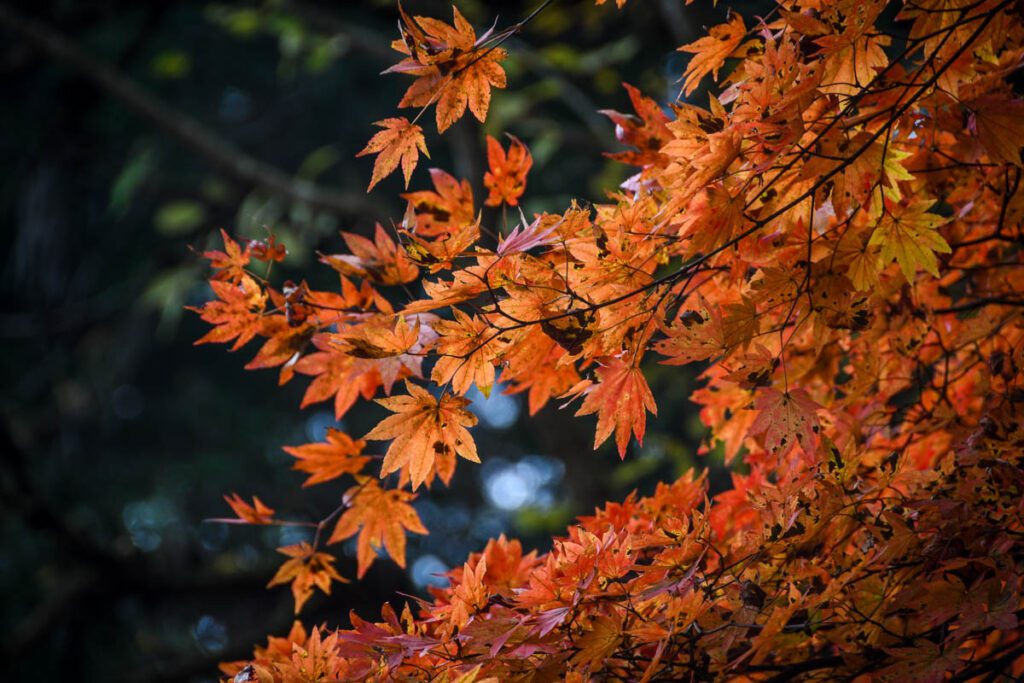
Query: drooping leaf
[(621, 400), (506, 175), (423, 430), (305, 570), (381, 260), (647, 132), (399, 143), (257, 513), (381, 518)]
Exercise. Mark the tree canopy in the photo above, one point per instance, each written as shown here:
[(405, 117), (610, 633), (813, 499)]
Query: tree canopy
[(835, 236)]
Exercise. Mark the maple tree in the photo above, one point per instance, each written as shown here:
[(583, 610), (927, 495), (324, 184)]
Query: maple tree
[(836, 238)]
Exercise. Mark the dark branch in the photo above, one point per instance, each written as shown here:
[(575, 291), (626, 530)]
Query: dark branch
[(178, 125)]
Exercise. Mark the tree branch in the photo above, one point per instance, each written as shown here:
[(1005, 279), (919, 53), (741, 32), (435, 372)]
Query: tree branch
[(979, 303), (178, 125)]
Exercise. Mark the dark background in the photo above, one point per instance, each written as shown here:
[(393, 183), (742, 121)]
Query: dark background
[(129, 133)]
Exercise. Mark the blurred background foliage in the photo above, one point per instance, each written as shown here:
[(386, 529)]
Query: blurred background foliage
[(131, 133)]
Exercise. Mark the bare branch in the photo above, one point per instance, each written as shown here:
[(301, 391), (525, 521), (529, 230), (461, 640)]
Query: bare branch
[(178, 125)]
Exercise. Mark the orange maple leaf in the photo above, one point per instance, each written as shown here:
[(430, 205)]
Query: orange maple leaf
[(377, 338), (712, 217), (437, 253), (647, 132), (424, 429), (532, 365), (399, 142), (257, 513), (600, 639), (284, 343), (441, 210), (381, 517), (786, 419), (467, 348), (695, 336), (336, 375), (453, 67), (381, 260), (506, 178), (470, 595), (304, 570), (711, 51), (998, 121), (340, 454), (619, 400), (238, 315), (231, 262)]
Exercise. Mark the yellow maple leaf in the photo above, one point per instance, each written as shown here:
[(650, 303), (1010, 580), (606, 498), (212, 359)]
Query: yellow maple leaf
[(908, 234)]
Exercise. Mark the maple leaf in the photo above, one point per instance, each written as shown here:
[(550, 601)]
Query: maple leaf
[(337, 375), (305, 570), (712, 218), (526, 236), (339, 455), (506, 177), (315, 660), (862, 262), (237, 316), (620, 400), (257, 513), (231, 262), (444, 209), (467, 348), (507, 567), (469, 595), (648, 132), (756, 368), (285, 343), (998, 121), (471, 676), (381, 518), (423, 429), (440, 253), (399, 142), (381, 260), (598, 641), (697, 335), (377, 339), (453, 67), (710, 52), (569, 329), (471, 85), (786, 419), (908, 234), (535, 364), (875, 174), (855, 56)]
